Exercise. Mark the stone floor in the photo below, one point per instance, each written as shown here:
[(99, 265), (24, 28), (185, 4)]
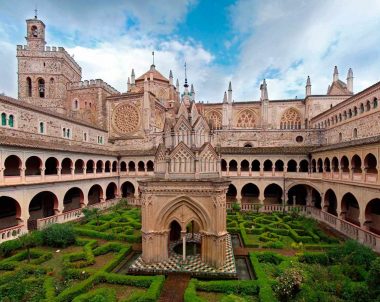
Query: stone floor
[(192, 264)]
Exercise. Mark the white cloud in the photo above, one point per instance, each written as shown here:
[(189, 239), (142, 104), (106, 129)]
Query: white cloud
[(321, 34)]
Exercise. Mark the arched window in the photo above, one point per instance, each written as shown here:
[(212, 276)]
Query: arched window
[(361, 108), (367, 106), (3, 119), (64, 132), (28, 87), (42, 127), (68, 133), (374, 103), (215, 119), (246, 119), (11, 121), (355, 133), (34, 31), (291, 119), (75, 104), (340, 136), (41, 88)]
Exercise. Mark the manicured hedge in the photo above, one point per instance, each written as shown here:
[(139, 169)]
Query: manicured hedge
[(246, 287), (266, 293)]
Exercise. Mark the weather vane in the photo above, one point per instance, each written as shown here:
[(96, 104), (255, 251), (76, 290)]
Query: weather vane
[(35, 12)]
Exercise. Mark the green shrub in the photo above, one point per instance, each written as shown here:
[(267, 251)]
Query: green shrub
[(7, 247), (373, 278), (355, 291), (246, 287), (191, 292), (314, 258), (266, 293), (269, 257), (288, 284), (353, 253), (98, 295), (58, 235), (232, 298)]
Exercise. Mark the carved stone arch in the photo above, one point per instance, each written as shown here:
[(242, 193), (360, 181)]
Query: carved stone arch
[(186, 207), (291, 119), (246, 118)]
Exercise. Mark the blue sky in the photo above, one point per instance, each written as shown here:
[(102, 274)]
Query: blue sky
[(242, 41)]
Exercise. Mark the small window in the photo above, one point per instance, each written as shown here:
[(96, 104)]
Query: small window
[(11, 121), (248, 145), (28, 87), (76, 104), (374, 103), (355, 133), (42, 127), (85, 136), (299, 139), (3, 119), (34, 31), (340, 137), (100, 139), (68, 133), (64, 132)]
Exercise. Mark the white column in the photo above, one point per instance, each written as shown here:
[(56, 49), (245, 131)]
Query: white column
[(184, 247)]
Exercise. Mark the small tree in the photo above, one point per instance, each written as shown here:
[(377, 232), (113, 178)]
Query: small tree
[(236, 207), (27, 241), (93, 213), (288, 284)]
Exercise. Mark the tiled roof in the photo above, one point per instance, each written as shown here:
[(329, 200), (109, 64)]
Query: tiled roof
[(27, 106), (267, 150), (156, 75), (55, 144), (350, 143)]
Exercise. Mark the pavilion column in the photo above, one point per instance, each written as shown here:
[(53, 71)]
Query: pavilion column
[(43, 174), (183, 234)]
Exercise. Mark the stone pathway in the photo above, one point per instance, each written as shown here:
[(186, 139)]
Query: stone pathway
[(174, 288)]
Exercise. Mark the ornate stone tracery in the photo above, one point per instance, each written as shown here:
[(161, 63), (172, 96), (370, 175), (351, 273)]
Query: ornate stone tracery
[(291, 119), (246, 119), (126, 119), (215, 119)]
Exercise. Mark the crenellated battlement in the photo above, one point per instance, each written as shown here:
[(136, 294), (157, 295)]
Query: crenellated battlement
[(97, 83), (54, 49)]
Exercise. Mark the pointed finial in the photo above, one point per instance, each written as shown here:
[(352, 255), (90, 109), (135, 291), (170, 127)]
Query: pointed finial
[(308, 82), (336, 74), (229, 86), (133, 72), (225, 97), (129, 81), (192, 88), (350, 73), (177, 84), (170, 74), (153, 57), (35, 12)]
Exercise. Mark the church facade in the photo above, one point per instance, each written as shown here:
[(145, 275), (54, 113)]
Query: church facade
[(68, 143)]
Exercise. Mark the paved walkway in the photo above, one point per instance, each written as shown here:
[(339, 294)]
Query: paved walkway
[(174, 288)]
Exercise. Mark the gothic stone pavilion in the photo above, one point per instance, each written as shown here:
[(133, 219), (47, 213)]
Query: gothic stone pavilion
[(68, 143)]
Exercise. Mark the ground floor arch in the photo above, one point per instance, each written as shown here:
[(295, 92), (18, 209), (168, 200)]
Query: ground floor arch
[(73, 199), (330, 202), (127, 190), (372, 216), (10, 212), (250, 193), (95, 194), (111, 191), (273, 194), (350, 209), (42, 205)]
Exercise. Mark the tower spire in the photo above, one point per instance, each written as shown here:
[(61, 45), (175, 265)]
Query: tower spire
[(186, 85), (308, 86), (153, 58)]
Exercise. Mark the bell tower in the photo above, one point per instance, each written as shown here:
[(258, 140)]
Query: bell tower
[(35, 30)]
